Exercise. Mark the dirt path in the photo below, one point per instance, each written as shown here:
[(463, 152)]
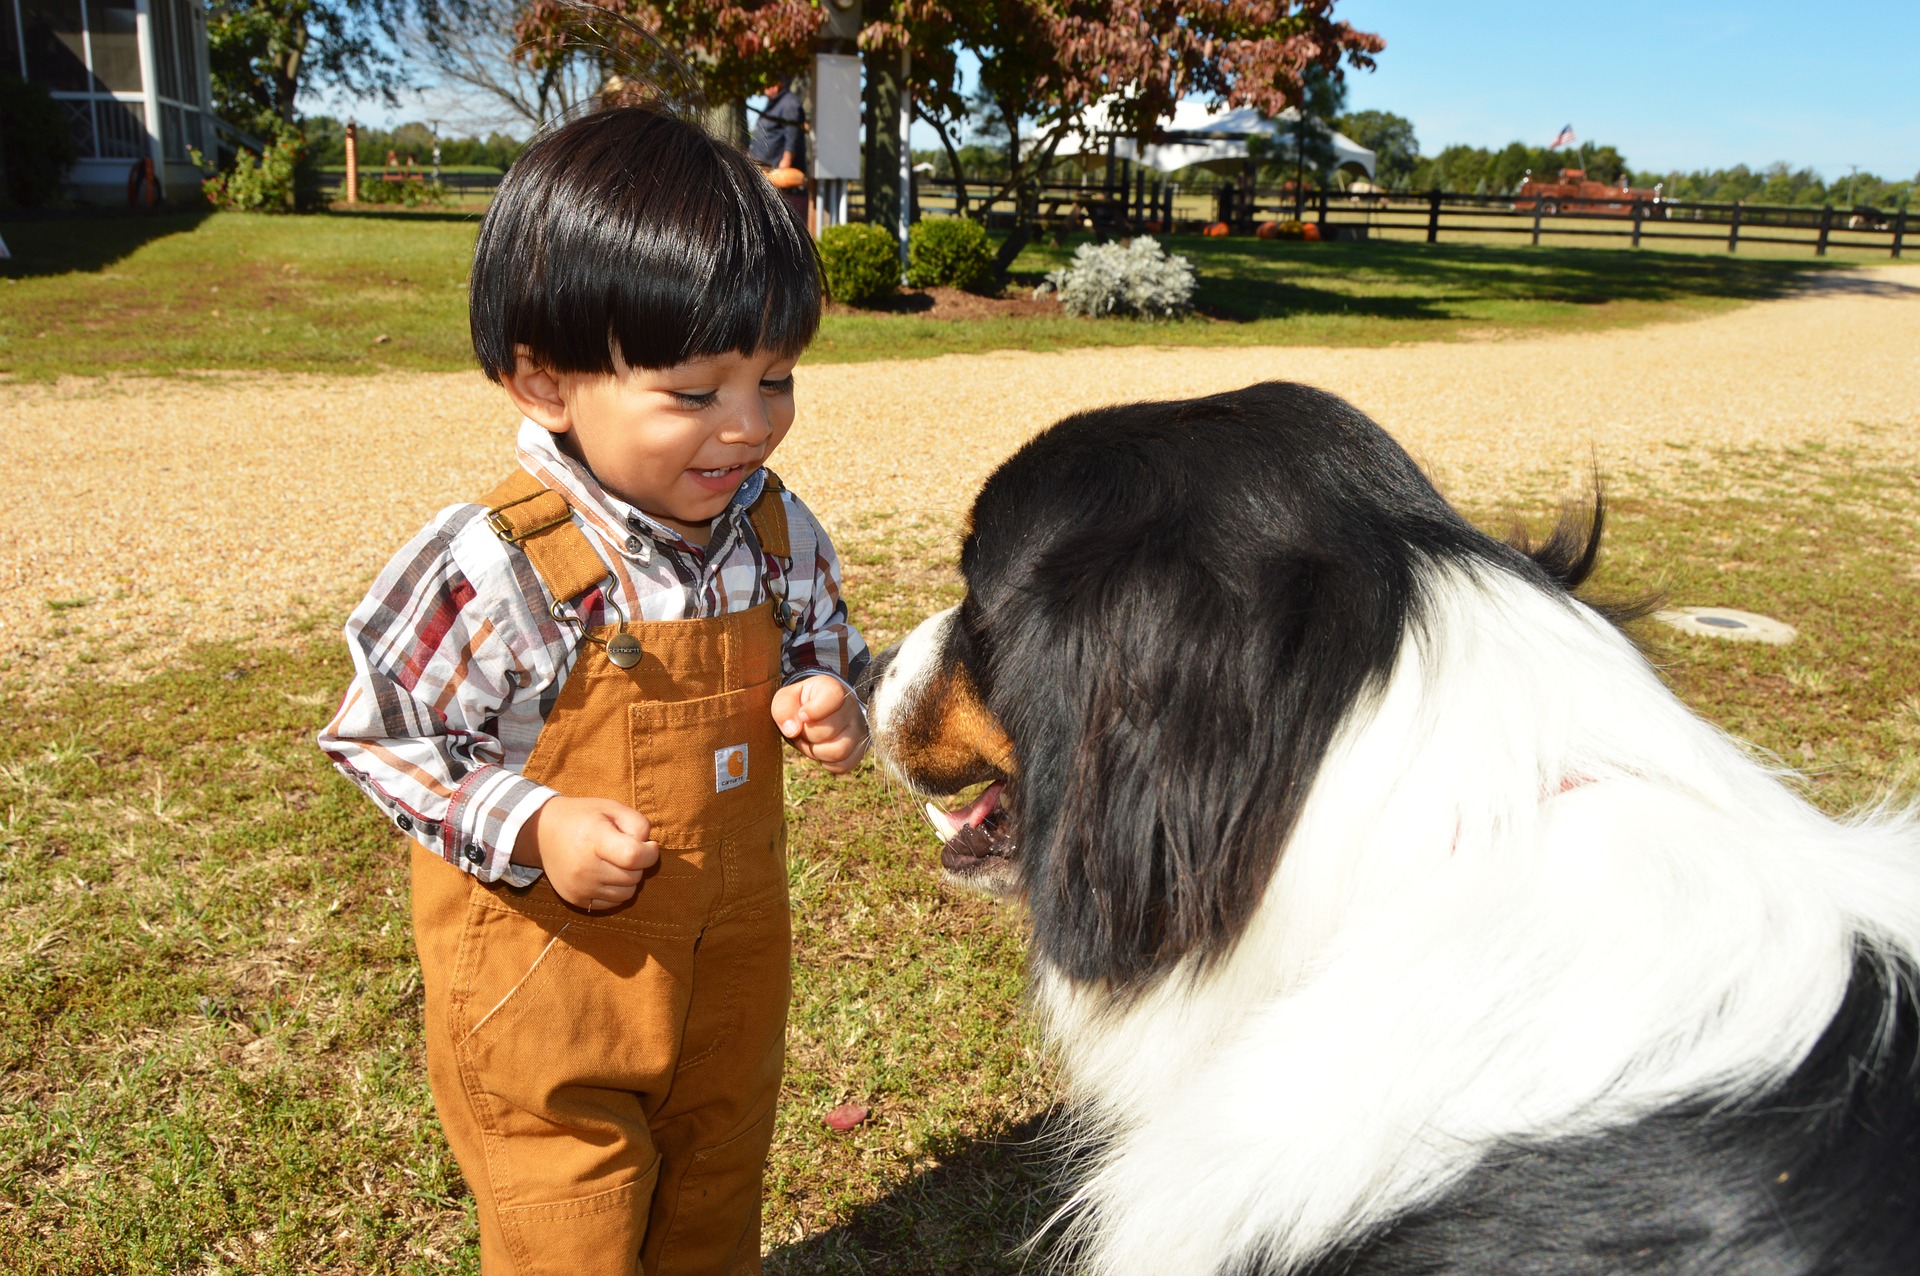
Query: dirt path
[(187, 509)]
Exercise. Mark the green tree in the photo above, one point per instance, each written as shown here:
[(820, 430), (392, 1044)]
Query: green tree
[(1457, 168), (262, 53), (1396, 151), (1511, 166), (1865, 190), (1605, 164)]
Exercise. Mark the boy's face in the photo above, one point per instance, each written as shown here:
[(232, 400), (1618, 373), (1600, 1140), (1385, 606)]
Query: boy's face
[(675, 442)]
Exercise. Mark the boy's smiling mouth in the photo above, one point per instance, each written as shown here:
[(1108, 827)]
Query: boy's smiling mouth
[(722, 479)]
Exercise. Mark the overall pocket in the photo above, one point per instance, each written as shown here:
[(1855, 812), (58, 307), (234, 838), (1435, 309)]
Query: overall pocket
[(705, 768)]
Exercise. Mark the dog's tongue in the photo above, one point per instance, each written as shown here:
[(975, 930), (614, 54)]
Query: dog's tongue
[(949, 823)]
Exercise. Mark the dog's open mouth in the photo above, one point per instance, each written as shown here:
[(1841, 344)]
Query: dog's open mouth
[(978, 839)]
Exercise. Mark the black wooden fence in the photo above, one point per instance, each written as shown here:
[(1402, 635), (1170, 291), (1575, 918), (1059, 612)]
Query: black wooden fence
[(1138, 203), (333, 181), (1145, 204)]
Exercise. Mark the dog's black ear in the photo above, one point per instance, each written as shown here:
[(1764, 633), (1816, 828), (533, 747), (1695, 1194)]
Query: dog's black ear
[(1186, 715), (1572, 548), (1571, 551), (1185, 602)]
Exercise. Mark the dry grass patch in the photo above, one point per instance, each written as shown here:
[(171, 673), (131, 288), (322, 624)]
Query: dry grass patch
[(148, 515)]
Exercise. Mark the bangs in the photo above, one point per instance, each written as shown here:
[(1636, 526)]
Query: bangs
[(634, 230)]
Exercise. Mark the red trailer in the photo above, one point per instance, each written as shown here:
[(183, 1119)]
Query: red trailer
[(1576, 193)]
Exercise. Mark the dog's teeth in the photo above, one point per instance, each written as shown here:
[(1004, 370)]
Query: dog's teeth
[(942, 822)]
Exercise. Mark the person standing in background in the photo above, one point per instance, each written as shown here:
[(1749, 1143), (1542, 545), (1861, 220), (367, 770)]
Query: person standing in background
[(779, 143)]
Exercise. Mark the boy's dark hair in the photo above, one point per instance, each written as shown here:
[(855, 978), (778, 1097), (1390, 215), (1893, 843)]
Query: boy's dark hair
[(632, 228)]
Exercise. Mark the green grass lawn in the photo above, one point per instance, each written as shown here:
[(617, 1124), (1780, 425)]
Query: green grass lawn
[(368, 291), (209, 1016)]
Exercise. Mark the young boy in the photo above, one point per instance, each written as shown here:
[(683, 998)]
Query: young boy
[(572, 696)]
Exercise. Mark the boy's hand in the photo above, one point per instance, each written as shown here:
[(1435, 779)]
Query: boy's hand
[(824, 721), (594, 850)]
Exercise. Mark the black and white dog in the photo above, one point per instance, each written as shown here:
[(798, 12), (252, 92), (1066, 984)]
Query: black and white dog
[(1389, 914)]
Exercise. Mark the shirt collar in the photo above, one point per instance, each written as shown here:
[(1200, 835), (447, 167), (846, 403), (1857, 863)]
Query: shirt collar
[(539, 452)]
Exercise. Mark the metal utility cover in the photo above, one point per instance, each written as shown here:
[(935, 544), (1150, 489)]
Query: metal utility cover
[(1728, 623)]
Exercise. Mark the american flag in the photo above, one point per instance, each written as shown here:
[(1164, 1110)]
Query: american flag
[(1564, 137)]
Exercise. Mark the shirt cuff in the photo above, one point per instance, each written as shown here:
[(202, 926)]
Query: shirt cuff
[(488, 811)]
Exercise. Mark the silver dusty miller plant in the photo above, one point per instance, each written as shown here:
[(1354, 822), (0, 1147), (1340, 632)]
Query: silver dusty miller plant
[(1135, 278)]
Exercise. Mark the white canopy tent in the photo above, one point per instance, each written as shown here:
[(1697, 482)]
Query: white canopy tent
[(1214, 138)]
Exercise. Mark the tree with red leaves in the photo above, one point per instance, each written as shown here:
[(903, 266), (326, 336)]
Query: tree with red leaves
[(1042, 62), (733, 47)]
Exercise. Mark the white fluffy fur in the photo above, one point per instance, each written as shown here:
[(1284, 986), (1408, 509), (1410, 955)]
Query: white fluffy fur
[(1454, 952), (913, 665)]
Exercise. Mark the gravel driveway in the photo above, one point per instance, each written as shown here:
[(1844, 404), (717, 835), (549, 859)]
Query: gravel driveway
[(223, 506)]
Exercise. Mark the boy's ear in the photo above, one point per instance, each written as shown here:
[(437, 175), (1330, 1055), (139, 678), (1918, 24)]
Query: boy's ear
[(536, 392)]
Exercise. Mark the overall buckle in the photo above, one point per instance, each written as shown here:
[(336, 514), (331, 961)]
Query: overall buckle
[(503, 526)]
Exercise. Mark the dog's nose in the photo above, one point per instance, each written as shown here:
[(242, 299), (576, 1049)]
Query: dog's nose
[(868, 680)]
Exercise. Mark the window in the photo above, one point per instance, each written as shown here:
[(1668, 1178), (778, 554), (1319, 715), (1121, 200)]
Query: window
[(116, 45), (167, 48), (56, 43)]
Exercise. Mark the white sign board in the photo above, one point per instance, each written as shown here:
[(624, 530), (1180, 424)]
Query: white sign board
[(836, 117)]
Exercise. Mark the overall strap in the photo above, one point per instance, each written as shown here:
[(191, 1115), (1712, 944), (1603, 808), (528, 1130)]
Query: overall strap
[(792, 543), (768, 516), (525, 512)]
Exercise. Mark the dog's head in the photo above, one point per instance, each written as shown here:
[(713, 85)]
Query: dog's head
[(1170, 610)]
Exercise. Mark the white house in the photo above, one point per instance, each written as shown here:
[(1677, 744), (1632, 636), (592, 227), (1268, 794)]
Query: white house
[(131, 76)]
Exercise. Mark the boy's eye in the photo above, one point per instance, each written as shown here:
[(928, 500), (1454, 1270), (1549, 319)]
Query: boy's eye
[(783, 385), (700, 399)]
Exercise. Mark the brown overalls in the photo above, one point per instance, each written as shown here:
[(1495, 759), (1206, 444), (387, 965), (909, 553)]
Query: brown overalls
[(607, 1080)]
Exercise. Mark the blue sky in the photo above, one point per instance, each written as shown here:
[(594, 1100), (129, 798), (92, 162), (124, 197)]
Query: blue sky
[(1683, 85)]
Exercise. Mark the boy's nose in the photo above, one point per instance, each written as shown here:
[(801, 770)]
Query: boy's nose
[(750, 425)]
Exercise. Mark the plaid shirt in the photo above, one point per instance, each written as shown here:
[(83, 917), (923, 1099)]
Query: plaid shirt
[(458, 662)]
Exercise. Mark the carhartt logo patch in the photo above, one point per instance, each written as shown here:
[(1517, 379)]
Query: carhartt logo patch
[(729, 767)]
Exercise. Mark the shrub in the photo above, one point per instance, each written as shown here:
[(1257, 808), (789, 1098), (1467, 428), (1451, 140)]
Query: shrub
[(861, 263), (403, 191), (1136, 278), (279, 180), (950, 251), (38, 143)]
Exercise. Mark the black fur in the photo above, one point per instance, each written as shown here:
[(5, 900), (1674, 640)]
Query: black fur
[(1171, 607), (1820, 1177)]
